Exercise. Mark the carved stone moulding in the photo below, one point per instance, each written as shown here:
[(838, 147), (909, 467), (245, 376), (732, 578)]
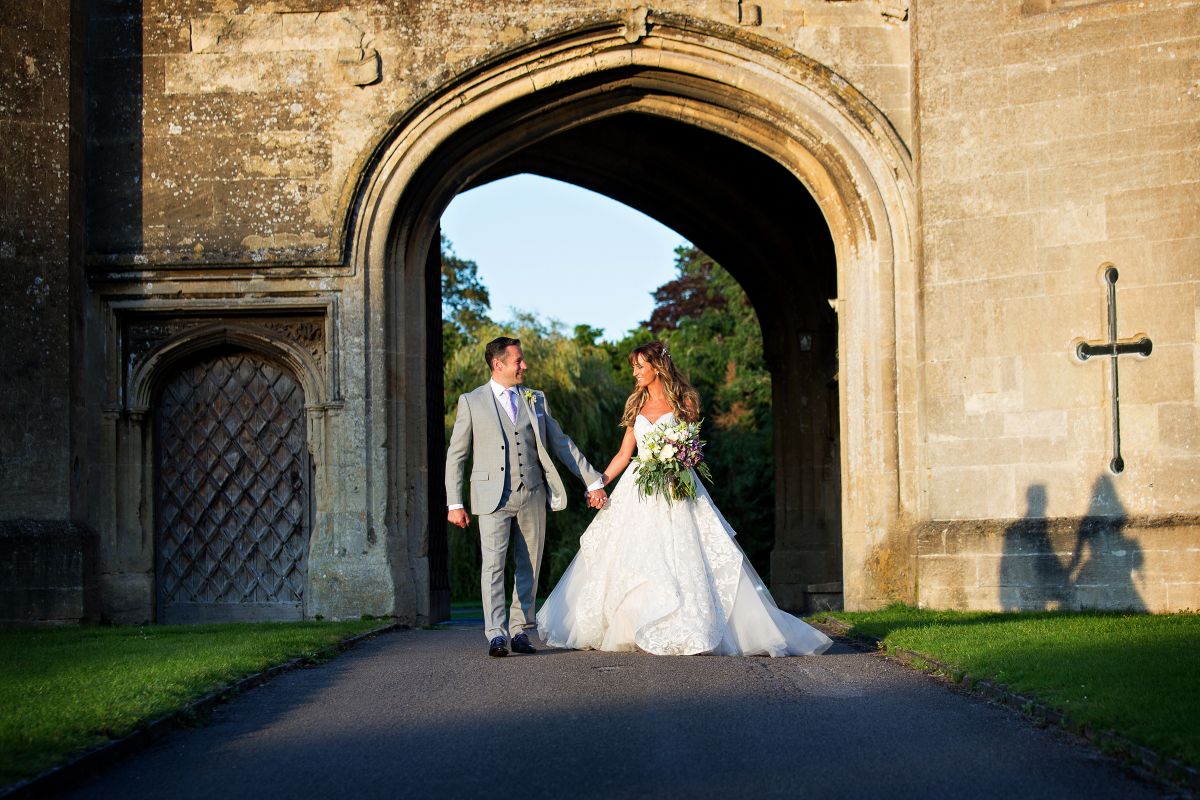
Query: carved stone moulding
[(144, 334), (150, 337)]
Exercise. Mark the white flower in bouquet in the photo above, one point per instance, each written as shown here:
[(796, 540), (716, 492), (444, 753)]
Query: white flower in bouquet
[(674, 455)]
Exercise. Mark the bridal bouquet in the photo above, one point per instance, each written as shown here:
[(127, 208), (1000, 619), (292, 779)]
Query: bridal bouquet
[(671, 453)]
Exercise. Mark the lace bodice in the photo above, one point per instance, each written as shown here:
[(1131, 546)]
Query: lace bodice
[(642, 426)]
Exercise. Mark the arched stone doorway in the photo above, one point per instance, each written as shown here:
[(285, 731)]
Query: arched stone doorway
[(627, 110), (220, 473)]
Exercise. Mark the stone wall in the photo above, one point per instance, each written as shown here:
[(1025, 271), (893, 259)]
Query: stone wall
[(229, 156), (35, 278), (1055, 136), (47, 574), (1051, 143), (227, 152), (1030, 564), (240, 135)]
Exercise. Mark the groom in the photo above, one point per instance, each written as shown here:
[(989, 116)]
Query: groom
[(510, 434)]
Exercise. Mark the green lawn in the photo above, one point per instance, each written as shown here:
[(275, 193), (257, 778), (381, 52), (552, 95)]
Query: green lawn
[(1134, 674), (68, 689), (465, 610)]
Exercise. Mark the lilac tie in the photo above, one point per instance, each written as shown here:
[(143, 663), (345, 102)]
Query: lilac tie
[(512, 405)]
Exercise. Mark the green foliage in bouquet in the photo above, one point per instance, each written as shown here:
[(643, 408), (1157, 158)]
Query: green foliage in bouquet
[(674, 456)]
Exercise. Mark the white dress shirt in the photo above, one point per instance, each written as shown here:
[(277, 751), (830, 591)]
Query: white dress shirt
[(500, 392)]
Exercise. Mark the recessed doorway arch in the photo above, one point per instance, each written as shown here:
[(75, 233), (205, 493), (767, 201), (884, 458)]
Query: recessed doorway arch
[(563, 108)]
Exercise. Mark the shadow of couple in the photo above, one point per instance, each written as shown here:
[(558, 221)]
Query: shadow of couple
[(1059, 564)]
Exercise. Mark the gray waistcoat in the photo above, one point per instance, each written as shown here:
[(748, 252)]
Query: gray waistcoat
[(522, 465)]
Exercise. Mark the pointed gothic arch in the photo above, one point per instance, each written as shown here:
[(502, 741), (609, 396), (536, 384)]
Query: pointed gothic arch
[(780, 104)]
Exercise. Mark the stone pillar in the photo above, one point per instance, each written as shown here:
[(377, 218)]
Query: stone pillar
[(47, 558), (35, 279)]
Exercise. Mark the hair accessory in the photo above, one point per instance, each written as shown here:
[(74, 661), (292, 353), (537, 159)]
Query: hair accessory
[(666, 352)]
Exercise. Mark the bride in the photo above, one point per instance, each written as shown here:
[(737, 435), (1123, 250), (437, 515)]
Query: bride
[(665, 577)]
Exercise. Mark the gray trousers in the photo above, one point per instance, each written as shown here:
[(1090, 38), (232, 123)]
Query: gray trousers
[(522, 512)]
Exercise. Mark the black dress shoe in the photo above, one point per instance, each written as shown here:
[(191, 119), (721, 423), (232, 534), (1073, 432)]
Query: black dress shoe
[(496, 648), (521, 644)]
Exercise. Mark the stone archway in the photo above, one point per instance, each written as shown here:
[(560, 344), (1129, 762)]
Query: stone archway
[(778, 105)]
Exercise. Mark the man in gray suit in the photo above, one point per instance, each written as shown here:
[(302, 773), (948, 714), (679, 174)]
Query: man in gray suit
[(510, 434)]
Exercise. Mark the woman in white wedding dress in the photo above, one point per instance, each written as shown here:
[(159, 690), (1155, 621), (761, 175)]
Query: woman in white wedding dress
[(665, 577)]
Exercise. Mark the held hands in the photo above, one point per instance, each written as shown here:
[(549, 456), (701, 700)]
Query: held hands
[(458, 517), (597, 499)]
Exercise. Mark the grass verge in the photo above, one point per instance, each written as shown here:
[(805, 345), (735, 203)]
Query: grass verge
[(66, 690), (1132, 674), (466, 610)]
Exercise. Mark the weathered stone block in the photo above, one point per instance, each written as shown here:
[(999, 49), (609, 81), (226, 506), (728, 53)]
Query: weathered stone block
[(128, 598), (971, 492), (166, 201), (211, 73), (1072, 224), (1039, 423), (976, 452), (1185, 594), (47, 573), (1043, 81), (1179, 426), (1165, 377), (1165, 310), (946, 571), (1169, 211), (966, 249)]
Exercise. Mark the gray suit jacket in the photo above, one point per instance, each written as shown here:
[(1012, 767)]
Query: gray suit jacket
[(477, 430)]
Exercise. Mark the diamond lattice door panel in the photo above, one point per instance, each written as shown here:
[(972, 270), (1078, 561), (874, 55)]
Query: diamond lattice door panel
[(232, 493)]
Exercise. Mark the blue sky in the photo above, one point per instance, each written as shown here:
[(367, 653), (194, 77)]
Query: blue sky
[(562, 252)]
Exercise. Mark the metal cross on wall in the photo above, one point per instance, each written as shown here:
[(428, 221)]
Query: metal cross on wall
[(1113, 348)]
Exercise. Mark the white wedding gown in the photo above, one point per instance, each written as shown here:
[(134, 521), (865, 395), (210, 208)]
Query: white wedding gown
[(669, 579)]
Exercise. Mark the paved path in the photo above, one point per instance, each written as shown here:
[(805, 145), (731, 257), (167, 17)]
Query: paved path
[(426, 713)]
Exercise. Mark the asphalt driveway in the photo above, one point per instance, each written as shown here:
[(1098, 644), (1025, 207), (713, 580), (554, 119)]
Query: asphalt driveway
[(427, 713)]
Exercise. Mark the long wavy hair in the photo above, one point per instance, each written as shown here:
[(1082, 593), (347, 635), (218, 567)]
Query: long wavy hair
[(684, 399)]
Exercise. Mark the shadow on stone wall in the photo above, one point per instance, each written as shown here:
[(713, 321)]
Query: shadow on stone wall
[(116, 189), (47, 574), (1053, 564)]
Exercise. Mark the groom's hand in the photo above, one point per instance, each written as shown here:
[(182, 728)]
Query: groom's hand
[(458, 517)]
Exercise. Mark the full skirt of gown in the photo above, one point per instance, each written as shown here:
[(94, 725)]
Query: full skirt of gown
[(669, 579)]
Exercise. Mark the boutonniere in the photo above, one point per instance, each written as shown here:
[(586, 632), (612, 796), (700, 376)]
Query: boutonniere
[(528, 393)]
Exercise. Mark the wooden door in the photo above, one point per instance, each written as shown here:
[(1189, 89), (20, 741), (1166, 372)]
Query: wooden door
[(232, 513)]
